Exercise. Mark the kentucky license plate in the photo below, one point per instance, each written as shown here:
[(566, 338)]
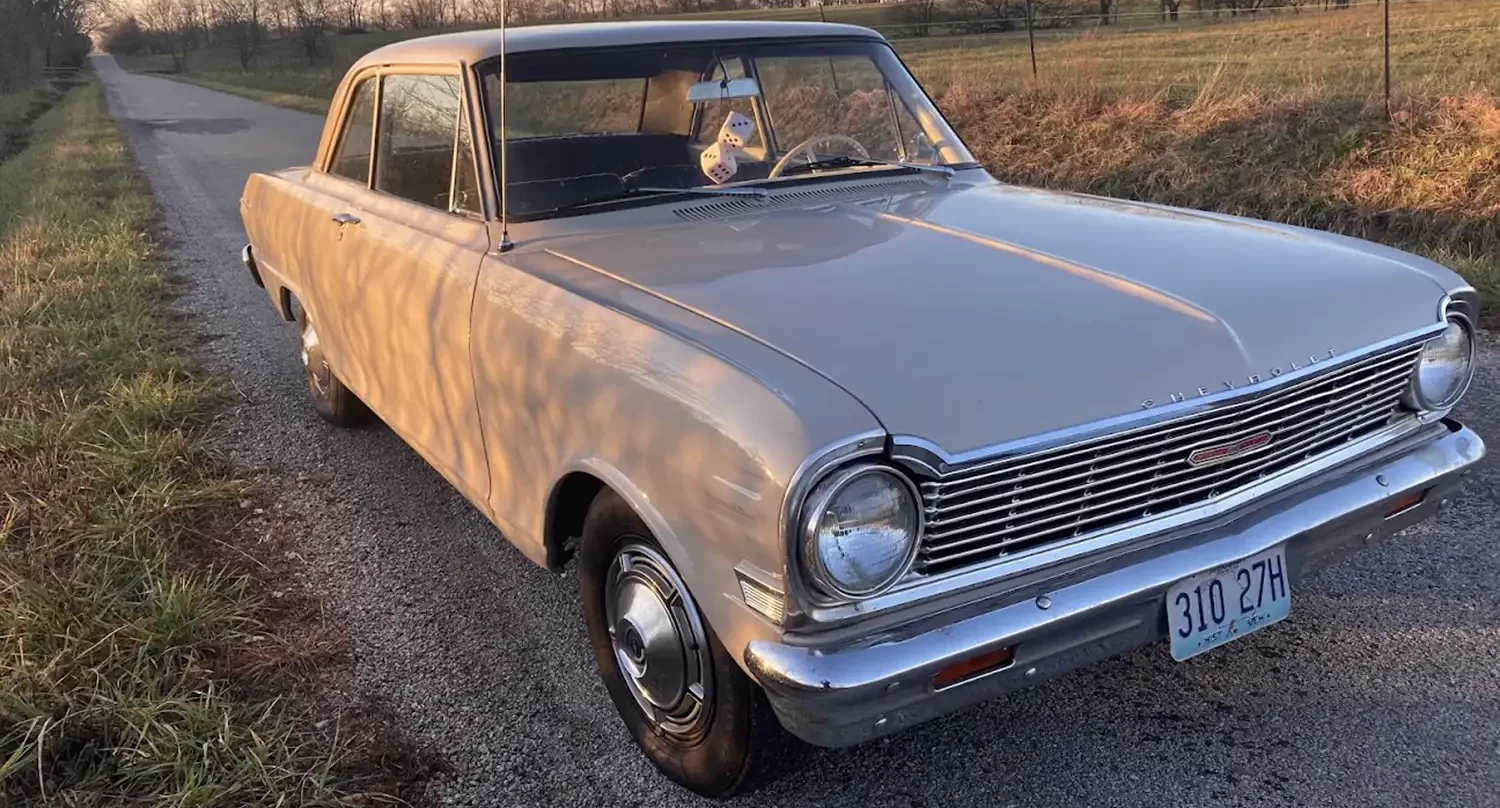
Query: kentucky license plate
[(1208, 610)]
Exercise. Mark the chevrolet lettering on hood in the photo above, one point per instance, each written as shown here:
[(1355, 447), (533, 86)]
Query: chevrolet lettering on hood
[(825, 418), (1250, 381)]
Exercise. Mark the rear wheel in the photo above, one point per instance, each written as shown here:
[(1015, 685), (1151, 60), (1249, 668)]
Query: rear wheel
[(691, 709), (336, 403)]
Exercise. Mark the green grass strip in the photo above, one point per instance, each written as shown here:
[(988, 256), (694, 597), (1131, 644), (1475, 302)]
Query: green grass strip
[(130, 656)]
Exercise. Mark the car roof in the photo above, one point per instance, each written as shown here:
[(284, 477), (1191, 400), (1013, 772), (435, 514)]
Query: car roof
[(475, 46)]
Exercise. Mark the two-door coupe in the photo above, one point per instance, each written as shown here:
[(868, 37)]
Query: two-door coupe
[(829, 420)]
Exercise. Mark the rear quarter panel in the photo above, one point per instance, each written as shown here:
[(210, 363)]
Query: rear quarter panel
[(276, 209)]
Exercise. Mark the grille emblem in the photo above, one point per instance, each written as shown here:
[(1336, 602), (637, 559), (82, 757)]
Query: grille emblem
[(1209, 455)]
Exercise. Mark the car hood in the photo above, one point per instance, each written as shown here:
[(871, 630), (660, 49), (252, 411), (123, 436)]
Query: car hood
[(982, 314)]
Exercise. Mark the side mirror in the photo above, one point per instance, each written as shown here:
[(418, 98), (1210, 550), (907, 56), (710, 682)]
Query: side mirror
[(724, 90)]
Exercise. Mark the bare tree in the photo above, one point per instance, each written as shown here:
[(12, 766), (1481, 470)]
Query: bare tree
[(1005, 11), (20, 53), (53, 23), (239, 22), (170, 25), (917, 16), (122, 36), (310, 18), (420, 14), (351, 15)]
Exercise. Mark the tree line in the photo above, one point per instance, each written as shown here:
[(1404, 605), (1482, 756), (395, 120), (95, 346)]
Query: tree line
[(179, 27), (35, 34)]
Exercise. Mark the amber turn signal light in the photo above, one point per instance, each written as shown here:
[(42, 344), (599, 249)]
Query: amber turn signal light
[(972, 667), (1405, 503)]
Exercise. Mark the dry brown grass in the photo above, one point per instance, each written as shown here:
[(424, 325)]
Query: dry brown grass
[(1428, 182)]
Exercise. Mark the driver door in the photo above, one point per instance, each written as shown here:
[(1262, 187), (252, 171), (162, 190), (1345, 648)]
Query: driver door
[(410, 265)]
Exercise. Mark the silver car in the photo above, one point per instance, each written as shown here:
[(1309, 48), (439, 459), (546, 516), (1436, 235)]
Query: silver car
[(841, 433)]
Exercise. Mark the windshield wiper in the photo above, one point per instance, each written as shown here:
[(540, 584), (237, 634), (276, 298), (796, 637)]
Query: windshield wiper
[(845, 161), (639, 190)]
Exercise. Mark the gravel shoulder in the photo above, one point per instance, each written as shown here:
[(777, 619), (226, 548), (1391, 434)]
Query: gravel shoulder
[(1383, 688)]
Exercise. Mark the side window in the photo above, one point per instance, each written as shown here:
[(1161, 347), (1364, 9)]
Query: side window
[(415, 148), (351, 158)]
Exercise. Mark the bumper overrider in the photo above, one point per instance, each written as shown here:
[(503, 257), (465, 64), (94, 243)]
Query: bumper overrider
[(860, 691), (247, 257)]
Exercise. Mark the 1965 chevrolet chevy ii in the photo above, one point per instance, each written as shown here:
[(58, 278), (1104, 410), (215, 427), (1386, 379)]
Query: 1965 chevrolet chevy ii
[(841, 433)]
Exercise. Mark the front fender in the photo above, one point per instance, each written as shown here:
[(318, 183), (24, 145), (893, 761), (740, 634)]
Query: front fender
[(700, 429)]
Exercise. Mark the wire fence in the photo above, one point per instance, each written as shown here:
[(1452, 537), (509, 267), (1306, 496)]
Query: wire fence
[(1363, 47)]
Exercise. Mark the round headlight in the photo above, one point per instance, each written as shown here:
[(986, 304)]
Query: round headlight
[(860, 531), (1445, 367)]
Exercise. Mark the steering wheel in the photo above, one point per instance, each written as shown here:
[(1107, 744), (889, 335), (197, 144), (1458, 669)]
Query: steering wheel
[(805, 149)]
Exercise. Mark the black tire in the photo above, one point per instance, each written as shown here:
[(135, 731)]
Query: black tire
[(741, 745), (333, 401)]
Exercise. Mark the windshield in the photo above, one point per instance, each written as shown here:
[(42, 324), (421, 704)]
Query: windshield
[(631, 124)]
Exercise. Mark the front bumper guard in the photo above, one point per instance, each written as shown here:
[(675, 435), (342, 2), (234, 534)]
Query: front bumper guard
[(843, 696)]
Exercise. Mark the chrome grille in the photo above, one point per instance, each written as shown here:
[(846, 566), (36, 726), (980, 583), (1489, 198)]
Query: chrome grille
[(1000, 506)]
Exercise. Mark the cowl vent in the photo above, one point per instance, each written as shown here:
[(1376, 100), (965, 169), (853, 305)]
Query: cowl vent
[(839, 191)]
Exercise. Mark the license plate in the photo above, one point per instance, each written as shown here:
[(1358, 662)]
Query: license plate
[(1208, 610)]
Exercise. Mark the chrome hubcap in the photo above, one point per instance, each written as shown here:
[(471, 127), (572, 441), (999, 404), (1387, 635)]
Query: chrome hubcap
[(659, 643), (318, 372)]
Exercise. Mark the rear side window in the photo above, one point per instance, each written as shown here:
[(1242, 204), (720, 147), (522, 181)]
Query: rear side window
[(419, 117), (352, 157)]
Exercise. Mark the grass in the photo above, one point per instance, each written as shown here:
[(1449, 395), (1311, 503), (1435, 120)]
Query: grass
[(247, 86), (140, 663), (17, 110), (1441, 47), (1429, 183)]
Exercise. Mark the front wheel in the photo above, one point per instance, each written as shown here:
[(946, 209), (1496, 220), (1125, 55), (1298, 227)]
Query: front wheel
[(691, 709)]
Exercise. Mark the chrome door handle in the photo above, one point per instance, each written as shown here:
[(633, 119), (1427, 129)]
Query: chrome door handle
[(345, 218)]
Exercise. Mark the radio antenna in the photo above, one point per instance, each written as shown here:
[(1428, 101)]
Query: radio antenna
[(505, 244)]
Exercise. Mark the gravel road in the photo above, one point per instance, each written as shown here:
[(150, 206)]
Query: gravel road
[(1382, 689)]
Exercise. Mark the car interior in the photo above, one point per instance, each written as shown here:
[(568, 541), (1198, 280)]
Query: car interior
[(667, 133)]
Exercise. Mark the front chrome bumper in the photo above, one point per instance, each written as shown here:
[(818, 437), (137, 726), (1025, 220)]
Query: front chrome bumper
[(856, 692)]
